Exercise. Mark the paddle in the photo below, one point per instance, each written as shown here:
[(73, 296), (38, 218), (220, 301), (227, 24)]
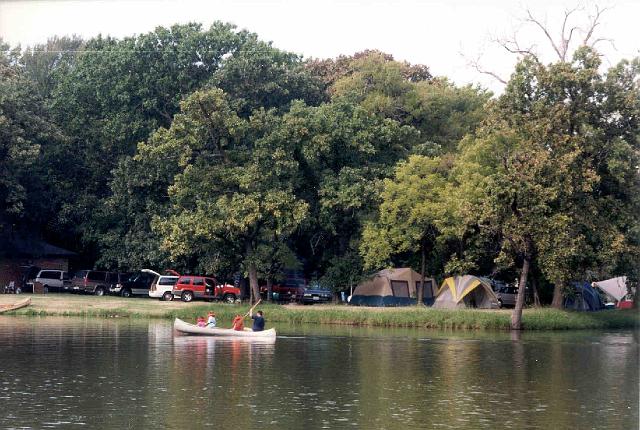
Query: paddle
[(252, 308)]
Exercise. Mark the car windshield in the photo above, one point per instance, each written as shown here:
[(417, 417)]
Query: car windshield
[(80, 274)]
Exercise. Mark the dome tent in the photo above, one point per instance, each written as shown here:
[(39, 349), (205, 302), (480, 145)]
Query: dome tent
[(466, 292), (582, 297), (392, 287)]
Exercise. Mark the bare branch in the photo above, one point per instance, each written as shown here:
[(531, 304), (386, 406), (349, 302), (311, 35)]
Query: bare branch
[(545, 31), (566, 40), (475, 64), (595, 21), (513, 46), (603, 39)]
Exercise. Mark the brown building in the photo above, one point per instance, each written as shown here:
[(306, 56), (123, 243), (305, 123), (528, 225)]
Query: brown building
[(18, 254)]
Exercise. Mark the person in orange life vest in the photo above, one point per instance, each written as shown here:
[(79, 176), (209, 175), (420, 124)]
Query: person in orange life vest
[(238, 323)]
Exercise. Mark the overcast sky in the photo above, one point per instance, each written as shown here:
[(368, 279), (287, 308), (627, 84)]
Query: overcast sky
[(431, 32)]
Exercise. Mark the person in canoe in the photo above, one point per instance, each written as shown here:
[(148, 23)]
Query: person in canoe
[(201, 322), (238, 323), (258, 320)]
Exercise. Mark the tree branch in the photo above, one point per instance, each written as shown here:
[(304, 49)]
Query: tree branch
[(530, 18)]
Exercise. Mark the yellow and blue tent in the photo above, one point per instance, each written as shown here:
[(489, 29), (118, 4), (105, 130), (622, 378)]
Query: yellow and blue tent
[(466, 292)]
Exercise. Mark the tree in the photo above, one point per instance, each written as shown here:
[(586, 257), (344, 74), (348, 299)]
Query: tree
[(344, 151), (518, 187), (115, 94), (591, 121), (544, 162), (45, 63), (235, 186), (571, 36), (413, 214), (26, 136), (259, 76), (333, 69), (440, 111), (255, 76)]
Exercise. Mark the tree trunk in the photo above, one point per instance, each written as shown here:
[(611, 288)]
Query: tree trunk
[(420, 287), (516, 316), (254, 288), (253, 283), (557, 296), (536, 296), (269, 292)]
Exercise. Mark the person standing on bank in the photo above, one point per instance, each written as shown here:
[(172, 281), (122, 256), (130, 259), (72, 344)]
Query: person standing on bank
[(258, 320)]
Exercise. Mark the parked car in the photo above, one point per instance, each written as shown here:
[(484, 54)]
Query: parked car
[(506, 295), (95, 282), (162, 286), (191, 287), (52, 280), (314, 294), (138, 284), (116, 282), (283, 292)]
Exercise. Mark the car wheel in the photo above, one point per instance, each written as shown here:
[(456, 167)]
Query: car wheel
[(500, 305), (99, 291), (45, 289), (18, 290), (167, 296), (187, 296), (229, 298), (126, 293)]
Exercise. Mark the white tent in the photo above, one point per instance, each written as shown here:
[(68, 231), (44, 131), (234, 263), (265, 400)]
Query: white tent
[(614, 287)]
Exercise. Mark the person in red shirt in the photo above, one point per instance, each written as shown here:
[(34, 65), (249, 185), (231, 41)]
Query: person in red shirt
[(238, 323)]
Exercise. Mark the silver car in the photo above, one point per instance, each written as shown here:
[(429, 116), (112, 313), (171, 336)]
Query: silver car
[(506, 294)]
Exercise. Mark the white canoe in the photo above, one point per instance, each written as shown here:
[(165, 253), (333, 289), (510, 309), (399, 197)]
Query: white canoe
[(185, 327), (16, 305)]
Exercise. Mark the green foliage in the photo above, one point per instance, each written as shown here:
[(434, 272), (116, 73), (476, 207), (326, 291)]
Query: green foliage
[(27, 138), (261, 76), (413, 212), (543, 182), (210, 150), (234, 187)]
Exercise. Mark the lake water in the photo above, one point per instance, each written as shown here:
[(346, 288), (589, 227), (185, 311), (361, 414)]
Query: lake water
[(122, 374)]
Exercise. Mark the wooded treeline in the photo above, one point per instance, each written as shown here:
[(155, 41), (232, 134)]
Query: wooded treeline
[(210, 150)]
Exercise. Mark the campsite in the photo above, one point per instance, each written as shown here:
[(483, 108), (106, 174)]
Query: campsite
[(317, 214)]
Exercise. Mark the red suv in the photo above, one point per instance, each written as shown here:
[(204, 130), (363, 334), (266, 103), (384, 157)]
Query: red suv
[(190, 287)]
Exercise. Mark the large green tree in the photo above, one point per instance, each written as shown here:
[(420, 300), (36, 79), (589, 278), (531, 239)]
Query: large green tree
[(116, 92), (234, 189), (414, 214), (543, 165), (344, 151), (28, 194), (256, 76)]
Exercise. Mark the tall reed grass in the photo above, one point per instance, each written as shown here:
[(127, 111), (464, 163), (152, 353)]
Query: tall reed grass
[(533, 319)]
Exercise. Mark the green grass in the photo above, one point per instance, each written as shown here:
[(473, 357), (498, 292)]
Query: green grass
[(533, 319)]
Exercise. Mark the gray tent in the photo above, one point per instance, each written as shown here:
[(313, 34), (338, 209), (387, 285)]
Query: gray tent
[(466, 292), (392, 287)]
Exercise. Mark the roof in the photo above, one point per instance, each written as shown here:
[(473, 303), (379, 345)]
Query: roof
[(21, 246)]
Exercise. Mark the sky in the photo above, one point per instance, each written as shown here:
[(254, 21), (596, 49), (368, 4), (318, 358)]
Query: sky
[(445, 35)]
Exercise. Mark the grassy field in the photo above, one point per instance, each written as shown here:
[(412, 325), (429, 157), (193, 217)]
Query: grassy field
[(116, 307)]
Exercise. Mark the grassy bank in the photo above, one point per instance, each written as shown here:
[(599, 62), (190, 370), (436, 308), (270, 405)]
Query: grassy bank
[(533, 319)]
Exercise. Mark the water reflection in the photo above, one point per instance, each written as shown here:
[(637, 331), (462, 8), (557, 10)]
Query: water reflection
[(113, 374)]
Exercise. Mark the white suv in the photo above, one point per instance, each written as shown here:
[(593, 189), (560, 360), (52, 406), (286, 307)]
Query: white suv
[(162, 285), (53, 280)]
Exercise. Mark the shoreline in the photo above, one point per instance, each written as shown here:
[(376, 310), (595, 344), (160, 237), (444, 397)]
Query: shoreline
[(68, 305)]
